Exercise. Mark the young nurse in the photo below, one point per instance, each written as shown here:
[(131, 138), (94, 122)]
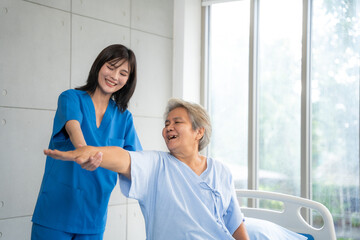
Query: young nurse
[(72, 203)]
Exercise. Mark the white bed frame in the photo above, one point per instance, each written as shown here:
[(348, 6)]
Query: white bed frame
[(290, 216)]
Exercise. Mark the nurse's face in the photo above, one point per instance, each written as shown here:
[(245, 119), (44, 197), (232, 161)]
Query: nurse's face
[(113, 77), (178, 133)]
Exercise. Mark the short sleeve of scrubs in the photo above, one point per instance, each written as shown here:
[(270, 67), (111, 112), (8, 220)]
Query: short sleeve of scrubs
[(68, 109), (132, 142), (143, 166)]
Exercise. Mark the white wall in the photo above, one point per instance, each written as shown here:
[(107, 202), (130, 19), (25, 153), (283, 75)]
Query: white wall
[(187, 50), (47, 46)]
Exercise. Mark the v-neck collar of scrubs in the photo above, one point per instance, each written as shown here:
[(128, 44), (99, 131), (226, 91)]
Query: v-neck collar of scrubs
[(106, 118)]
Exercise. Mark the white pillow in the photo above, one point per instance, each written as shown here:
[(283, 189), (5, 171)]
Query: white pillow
[(259, 229)]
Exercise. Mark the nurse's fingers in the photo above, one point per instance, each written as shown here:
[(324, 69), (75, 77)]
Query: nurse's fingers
[(93, 162), (65, 156)]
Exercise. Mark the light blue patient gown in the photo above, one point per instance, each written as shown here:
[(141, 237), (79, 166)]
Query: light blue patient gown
[(72, 199), (178, 204)]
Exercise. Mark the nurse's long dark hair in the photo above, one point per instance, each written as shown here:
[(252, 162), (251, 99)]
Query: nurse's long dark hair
[(114, 54)]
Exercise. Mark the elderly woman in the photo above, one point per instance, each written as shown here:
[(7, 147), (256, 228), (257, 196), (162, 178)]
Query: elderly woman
[(182, 194)]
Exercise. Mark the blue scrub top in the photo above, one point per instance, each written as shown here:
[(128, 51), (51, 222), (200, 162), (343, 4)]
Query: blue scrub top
[(178, 204), (72, 199)]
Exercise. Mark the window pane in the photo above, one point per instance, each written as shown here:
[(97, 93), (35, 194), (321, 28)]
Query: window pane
[(279, 83), (335, 49), (228, 86)]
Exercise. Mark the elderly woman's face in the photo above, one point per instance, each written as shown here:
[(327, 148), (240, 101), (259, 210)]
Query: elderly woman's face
[(178, 133)]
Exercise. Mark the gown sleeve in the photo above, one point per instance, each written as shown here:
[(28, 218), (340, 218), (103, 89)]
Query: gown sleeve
[(144, 168), (68, 109), (233, 217)]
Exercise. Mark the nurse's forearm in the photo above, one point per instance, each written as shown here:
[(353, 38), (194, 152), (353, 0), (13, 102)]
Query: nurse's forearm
[(75, 133)]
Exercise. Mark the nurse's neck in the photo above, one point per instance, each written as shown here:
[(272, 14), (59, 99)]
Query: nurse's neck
[(101, 102), (100, 99)]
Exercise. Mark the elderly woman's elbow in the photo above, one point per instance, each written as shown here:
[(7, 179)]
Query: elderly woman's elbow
[(241, 233)]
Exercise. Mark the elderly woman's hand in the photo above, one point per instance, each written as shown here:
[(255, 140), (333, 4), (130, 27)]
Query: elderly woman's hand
[(87, 157)]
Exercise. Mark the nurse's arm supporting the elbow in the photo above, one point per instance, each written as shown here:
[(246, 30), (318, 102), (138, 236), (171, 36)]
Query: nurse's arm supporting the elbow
[(75, 133), (113, 158)]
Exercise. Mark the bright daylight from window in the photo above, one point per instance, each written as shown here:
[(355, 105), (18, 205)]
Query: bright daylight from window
[(334, 79)]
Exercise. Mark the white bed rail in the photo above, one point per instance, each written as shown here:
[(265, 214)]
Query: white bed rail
[(290, 217)]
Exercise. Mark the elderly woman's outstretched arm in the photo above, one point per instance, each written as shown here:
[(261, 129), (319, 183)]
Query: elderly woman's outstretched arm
[(113, 158)]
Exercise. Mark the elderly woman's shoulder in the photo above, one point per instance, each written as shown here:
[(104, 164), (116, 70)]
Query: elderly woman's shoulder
[(219, 165), (154, 154)]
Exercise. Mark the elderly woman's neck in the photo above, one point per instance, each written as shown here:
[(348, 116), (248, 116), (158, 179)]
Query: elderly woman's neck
[(195, 161)]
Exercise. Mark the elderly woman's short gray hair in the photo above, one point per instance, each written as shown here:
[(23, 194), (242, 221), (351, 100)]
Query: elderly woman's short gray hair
[(198, 116)]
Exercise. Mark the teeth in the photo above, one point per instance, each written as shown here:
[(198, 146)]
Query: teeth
[(171, 137), (111, 83)]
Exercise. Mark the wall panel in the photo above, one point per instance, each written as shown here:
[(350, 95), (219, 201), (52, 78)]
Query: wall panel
[(149, 130), (24, 135), (136, 223), (153, 16), (15, 228), (116, 223), (113, 11), (63, 4), (35, 50), (154, 86)]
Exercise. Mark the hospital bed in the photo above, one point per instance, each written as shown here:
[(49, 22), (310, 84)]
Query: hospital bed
[(289, 216)]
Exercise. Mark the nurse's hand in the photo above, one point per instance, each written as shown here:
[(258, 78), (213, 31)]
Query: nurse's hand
[(93, 163), (87, 157)]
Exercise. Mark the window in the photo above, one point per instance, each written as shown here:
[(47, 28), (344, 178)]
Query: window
[(335, 49), (229, 80), (286, 82), (279, 82)]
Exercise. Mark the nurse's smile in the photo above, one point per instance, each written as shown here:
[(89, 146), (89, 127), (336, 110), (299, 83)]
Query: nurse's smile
[(110, 83)]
